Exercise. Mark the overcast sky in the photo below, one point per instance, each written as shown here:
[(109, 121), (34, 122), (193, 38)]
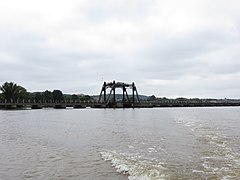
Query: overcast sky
[(171, 48)]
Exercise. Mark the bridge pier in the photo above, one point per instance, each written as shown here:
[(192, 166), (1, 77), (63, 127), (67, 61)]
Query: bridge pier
[(36, 106), (59, 106), (10, 106), (79, 106)]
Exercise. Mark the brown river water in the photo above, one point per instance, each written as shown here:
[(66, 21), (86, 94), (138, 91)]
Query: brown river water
[(102, 144)]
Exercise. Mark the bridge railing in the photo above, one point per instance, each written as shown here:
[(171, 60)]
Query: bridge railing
[(142, 103)]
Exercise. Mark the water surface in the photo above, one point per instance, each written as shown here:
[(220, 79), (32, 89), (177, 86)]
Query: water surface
[(168, 143)]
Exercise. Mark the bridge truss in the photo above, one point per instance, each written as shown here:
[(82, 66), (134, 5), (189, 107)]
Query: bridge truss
[(110, 99)]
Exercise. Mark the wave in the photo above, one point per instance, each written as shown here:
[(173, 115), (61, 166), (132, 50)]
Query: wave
[(217, 155), (135, 168)]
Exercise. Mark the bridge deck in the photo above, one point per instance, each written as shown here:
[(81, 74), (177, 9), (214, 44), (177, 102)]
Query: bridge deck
[(39, 105)]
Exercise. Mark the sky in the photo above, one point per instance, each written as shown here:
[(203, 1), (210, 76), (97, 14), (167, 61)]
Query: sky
[(169, 48)]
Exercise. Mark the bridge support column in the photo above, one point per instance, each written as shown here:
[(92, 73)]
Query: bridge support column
[(123, 98), (114, 93), (133, 90), (104, 91)]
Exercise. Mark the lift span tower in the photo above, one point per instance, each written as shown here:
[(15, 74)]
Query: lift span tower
[(110, 98)]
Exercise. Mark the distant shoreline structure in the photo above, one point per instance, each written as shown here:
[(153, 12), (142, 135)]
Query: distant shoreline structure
[(14, 96), (94, 104)]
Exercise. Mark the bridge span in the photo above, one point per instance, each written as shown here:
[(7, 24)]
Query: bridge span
[(94, 104), (65, 104), (107, 99)]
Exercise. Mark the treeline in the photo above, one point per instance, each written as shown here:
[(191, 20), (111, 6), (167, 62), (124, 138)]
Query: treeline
[(11, 92)]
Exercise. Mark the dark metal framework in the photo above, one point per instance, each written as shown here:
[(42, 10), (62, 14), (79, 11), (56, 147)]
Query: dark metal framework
[(125, 97)]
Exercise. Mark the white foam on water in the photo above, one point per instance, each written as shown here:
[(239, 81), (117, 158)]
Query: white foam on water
[(130, 147), (221, 157), (135, 168), (218, 157)]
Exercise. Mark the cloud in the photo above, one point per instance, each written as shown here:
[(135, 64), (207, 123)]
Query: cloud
[(169, 48)]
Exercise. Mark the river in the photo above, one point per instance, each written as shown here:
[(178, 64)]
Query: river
[(102, 144)]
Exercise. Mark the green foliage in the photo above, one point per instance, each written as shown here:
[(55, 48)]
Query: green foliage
[(11, 91), (181, 99), (67, 97), (74, 97), (1, 96), (23, 94), (85, 98), (47, 95), (152, 98), (57, 95), (38, 96)]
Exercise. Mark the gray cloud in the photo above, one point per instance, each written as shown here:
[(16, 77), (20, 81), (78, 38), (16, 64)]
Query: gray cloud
[(168, 48)]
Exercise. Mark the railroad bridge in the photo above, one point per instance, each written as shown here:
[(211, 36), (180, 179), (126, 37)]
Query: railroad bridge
[(110, 100)]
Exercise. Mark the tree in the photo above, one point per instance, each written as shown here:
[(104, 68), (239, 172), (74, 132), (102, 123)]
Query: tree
[(85, 98), (23, 94), (47, 95), (74, 97), (57, 95), (1, 97), (181, 99), (152, 98), (38, 97), (13, 92)]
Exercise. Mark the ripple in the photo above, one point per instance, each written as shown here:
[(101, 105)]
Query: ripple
[(217, 159)]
